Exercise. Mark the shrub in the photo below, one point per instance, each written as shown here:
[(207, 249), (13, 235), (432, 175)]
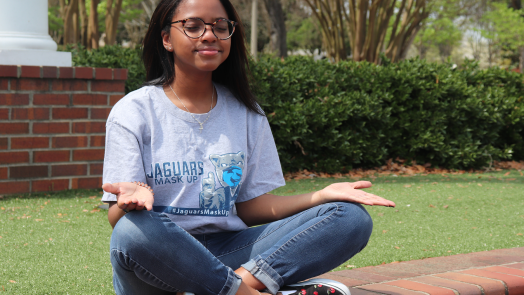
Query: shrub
[(112, 56), (331, 117)]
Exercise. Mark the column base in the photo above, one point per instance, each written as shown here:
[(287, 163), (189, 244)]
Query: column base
[(35, 58)]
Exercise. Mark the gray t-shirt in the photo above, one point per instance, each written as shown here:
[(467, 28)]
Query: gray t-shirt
[(197, 175)]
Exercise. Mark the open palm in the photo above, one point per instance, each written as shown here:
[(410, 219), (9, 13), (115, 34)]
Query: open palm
[(130, 196), (351, 192)]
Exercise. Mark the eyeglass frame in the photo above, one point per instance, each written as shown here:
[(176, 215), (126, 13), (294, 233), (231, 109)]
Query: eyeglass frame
[(183, 21)]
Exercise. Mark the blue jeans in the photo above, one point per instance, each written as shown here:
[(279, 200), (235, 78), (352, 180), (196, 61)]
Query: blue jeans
[(150, 254)]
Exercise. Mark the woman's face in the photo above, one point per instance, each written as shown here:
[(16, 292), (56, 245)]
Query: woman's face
[(206, 53)]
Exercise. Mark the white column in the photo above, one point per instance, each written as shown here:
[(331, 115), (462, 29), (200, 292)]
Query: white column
[(24, 37)]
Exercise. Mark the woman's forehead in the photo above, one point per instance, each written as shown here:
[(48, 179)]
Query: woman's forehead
[(207, 10)]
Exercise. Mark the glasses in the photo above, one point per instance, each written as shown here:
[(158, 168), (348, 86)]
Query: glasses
[(195, 27)]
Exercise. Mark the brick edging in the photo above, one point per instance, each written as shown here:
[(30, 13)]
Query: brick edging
[(46, 72)]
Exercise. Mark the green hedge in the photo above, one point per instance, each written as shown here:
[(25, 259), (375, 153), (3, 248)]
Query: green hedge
[(115, 57), (334, 117)]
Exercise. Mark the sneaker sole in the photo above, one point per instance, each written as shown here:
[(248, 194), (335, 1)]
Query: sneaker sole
[(327, 282)]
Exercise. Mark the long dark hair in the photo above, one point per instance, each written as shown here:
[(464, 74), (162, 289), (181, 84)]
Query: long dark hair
[(232, 73)]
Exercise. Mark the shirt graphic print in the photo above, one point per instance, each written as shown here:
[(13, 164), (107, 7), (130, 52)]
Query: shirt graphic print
[(213, 200)]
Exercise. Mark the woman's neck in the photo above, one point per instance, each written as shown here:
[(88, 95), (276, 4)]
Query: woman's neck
[(193, 93)]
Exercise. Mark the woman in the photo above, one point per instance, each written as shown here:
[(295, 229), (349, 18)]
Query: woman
[(198, 139)]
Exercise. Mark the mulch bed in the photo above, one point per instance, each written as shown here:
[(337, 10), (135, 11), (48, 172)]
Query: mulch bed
[(399, 167)]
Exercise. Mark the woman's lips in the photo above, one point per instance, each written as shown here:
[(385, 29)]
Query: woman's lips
[(208, 51)]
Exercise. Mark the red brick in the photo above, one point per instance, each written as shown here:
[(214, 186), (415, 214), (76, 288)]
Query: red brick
[(490, 286), (120, 74), (69, 85), (50, 156), (30, 84), (387, 289), (89, 99), (113, 99), (50, 72), (516, 265), (14, 157), (28, 171), (14, 99), (96, 168), (421, 287), (8, 71), (506, 270), (69, 113), (3, 172), (46, 128), (88, 155), (13, 187), (83, 73), (103, 74), (86, 183), (4, 84), (4, 114), (30, 72), (89, 127), (50, 185), (65, 73), (69, 141), (98, 141), (108, 86), (29, 142), (30, 114), (51, 99), (69, 170), (14, 128), (461, 287), (3, 143), (389, 270), (515, 284), (346, 281), (360, 275), (97, 113)]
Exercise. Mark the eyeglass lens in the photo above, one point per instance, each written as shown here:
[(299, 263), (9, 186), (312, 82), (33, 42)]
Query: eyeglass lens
[(194, 28)]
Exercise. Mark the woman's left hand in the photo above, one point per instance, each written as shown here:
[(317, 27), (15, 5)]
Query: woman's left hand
[(350, 192)]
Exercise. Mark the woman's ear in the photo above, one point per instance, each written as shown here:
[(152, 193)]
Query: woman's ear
[(166, 41)]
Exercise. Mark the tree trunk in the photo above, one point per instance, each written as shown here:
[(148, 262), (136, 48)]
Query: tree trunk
[(112, 15), (521, 65), (92, 27), (69, 14), (331, 17), (516, 4), (83, 22), (254, 29), (367, 23), (278, 27)]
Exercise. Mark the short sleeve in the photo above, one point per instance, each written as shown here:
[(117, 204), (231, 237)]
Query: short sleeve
[(122, 159), (263, 173)]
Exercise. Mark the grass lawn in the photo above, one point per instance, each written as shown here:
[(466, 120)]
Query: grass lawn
[(58, 243)]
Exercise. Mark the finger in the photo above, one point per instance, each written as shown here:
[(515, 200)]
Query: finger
[(131, 206), (148, 205), (113, 188), (361, 184)]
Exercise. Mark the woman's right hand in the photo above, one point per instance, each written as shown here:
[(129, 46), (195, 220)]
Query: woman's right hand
[(130, 196)]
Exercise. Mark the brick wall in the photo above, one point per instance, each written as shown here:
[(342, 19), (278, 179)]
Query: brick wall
[(52, 126)]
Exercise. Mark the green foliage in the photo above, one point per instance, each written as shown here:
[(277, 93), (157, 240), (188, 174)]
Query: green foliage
[(505, 26), (113, 57), (303, 33), (331, 117)]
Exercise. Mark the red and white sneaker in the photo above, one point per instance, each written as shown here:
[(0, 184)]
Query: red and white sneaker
[(317, 287)]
